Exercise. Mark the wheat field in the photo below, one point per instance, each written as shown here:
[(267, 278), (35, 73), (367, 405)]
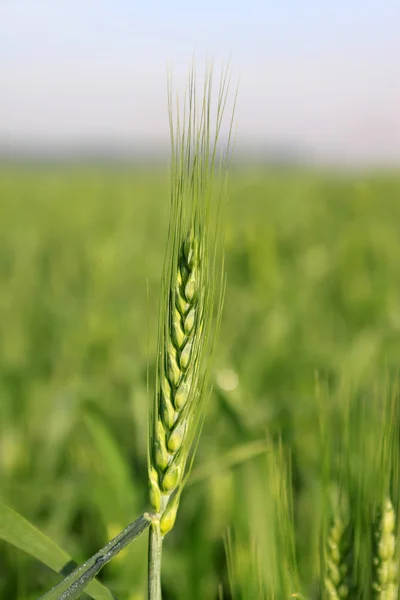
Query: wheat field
[(303, 410)]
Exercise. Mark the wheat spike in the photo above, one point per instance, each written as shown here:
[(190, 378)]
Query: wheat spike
[(336, 561), (179, 375), (193, 279), (385, 584)]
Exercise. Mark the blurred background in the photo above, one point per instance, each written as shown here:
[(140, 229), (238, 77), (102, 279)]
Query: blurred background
[(317, 82), (312, 253)]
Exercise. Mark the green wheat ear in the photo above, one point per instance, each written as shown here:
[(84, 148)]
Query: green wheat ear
[(177, 400), (192, 293), (337, 560), (386, 576)]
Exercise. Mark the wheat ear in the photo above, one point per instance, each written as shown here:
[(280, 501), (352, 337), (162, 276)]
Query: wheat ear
[(179, 377), (337, 561), (193, 283), (385, 584)]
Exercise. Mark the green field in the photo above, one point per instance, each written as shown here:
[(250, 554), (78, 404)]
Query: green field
[(313, 295)]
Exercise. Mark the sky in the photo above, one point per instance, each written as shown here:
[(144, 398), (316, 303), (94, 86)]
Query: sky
[(318, 79)]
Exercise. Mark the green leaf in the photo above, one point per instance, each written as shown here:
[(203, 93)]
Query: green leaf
[(19, 532), (75, 583)]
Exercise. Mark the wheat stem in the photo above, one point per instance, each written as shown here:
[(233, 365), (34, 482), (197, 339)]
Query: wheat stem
[(155, 552)]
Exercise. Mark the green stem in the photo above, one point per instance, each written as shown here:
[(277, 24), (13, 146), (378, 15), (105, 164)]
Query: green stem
[(154, 564)]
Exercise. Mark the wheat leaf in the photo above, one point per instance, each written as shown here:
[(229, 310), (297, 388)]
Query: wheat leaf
[(75, 583), (17, 531)]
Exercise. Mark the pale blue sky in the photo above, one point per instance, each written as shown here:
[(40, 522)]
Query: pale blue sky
[(319, 77)]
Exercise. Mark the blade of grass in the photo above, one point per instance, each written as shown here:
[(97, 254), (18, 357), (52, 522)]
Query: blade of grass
[(75, 583), (17, 531)]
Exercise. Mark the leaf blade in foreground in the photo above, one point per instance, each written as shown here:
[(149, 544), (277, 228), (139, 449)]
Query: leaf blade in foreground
[(74, 584), (20, 533)]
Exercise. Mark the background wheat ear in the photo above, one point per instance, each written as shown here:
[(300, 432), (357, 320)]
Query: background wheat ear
[(260, 550), (338, 559), (191, 302), (385, 564)]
